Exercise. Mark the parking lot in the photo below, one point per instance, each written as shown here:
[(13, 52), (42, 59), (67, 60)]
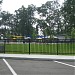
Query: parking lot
[(36, 67)]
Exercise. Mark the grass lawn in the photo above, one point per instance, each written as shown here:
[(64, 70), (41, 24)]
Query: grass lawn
[(41, 48)]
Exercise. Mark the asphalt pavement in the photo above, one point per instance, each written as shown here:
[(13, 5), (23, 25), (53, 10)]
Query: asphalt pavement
[(30, 65)]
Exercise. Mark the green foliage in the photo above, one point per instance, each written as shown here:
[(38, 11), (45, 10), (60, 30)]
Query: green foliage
[(25, 20), (73, 33), (68, 12), (49, 17), (1, 1)]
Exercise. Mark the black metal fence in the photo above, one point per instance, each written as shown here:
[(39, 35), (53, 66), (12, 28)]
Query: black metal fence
[(38, 46)]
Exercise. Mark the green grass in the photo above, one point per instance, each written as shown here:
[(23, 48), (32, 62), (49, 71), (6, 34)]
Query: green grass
[(38, 48)]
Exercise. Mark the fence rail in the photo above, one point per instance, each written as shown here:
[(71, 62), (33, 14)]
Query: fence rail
[(38, 46)]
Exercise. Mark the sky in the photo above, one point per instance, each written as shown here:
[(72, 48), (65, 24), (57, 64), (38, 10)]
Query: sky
[(12, 5)]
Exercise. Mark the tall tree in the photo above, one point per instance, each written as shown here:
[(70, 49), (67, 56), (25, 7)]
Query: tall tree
[(7, 22), (1, 1), (49, 13), (68, 12), (0, 11), (24, 20)]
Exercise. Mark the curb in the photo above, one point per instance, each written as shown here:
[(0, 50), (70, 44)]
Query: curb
[(38, 57)]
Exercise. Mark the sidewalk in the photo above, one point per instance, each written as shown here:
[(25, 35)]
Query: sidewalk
[(41, 57)]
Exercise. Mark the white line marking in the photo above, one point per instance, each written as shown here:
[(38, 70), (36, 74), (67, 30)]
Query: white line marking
[(64, 64), (10, 68)]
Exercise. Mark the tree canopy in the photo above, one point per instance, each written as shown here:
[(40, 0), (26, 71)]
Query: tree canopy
[(53, 20), (68, 12)]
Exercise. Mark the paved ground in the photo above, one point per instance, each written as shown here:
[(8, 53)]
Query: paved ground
[(36, 67), (4, 70)]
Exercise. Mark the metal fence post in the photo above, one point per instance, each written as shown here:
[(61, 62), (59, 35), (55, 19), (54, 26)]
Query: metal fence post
[(57, 45), (4, 45), (29, 46)]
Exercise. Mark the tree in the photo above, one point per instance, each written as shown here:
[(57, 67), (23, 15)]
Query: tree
[(49, 13), (7, 22), (1, 1), (68, 12), (73, 33), (0, 11), (24, 20), (30, 19)]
